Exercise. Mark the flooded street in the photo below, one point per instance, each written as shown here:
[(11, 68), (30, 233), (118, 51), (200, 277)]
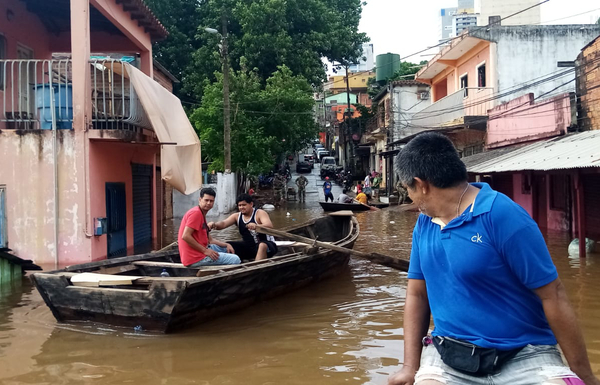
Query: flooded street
[(346, 330)]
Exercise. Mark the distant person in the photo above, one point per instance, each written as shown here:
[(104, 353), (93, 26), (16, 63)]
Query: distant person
[(480, 267), (194, 237), (362, 198), (376, 183), (251, 191), (327, 189), (343, 197), (359, 187), (253, 246), (301, 182)]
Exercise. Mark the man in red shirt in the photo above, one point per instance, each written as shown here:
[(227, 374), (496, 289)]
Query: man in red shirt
[(194, 238)]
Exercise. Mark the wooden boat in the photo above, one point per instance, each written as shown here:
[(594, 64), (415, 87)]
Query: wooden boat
[(334, 206), (130, 292)]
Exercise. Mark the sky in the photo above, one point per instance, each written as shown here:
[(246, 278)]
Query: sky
[(405, 27)]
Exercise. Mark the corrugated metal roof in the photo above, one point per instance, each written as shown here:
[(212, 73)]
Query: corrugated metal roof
[(566, 152)]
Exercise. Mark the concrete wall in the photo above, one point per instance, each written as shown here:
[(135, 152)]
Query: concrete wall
[(527, 52), (405, 103), (522, 120), (24, 29), (226, 189), (503, 8), (28, 173)]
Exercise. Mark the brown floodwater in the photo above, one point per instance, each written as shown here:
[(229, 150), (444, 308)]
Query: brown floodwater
[(345, 330)]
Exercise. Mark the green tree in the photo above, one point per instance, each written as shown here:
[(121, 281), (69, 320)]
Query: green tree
[(266, 122), (264, 34)]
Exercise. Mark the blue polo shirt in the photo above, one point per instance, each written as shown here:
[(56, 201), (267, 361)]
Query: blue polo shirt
[(480, 271)]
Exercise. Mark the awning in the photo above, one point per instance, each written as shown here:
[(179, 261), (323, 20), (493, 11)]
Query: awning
[(566, 152), (181, 164)]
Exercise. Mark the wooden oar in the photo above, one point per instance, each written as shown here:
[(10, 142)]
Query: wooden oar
[(395, 263), (372, 208)]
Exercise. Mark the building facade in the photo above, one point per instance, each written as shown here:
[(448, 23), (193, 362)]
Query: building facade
[(487, 67), (504, 8), (367, 59), (82, 159)]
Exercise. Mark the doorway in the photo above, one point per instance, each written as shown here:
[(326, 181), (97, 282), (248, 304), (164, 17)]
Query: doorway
[(116, 218)]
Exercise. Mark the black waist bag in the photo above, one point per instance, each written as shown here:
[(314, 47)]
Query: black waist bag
[(472, 359)]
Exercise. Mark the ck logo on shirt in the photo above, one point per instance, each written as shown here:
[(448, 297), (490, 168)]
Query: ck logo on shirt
[(476, 238)]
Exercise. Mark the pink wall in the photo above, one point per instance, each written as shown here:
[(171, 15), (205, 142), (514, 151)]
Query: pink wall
[(525, 200), (522, 120), (110, 161), (28, 173), (25, 28)]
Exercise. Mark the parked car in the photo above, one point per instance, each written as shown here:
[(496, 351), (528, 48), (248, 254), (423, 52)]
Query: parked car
[(328, 167), (321, 153), (309, 158), (303, 164)]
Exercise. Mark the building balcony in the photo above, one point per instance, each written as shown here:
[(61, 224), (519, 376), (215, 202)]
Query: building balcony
[(465, 107), (37, 95)]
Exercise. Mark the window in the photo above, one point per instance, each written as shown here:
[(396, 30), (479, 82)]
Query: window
[(464, 84), (2, 56), (481, 76)]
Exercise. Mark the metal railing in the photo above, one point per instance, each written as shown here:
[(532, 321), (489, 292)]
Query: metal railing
[(115, 104), (28, 88), (464, 102)]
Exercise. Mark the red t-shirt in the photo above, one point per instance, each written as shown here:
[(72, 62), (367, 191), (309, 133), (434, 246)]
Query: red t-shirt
[(195, 220)]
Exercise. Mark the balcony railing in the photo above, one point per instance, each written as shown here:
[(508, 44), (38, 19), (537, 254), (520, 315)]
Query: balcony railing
[(451, 109), (30, 88)]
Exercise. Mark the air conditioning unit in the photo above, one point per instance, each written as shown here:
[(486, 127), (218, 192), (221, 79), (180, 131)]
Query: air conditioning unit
[(423, 95)]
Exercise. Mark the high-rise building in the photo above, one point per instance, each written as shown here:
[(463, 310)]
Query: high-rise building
[(366, 62), (446, 16), (487, 8), (462, 21)]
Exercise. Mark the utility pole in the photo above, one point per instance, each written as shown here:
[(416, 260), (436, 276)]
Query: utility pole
[(226, 112), (348, 120)]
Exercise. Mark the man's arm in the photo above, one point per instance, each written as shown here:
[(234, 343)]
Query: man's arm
[(263, 219), (416, 325), (563, 322), (217, 242), (223, 224), (188, 237)]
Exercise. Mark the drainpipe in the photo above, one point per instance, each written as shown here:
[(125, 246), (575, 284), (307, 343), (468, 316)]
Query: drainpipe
[(54, 157)]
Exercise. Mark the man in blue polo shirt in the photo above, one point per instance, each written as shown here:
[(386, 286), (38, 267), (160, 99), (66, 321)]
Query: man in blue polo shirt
[(479, 265)]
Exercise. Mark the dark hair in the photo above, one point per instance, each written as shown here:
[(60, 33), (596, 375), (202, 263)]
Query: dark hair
[(244, 198), (345, 190), (208, 191), (432, 157)]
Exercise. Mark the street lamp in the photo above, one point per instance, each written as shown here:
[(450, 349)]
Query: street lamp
[(226, 114)]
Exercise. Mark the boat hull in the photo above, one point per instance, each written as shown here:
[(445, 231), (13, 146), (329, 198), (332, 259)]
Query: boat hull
[(183, 300)]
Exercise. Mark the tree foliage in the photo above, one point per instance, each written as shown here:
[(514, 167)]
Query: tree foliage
[(266, 122), (263, 34)]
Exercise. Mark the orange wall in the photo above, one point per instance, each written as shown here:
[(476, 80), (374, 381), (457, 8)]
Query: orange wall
[(110, 161), (468, 64)]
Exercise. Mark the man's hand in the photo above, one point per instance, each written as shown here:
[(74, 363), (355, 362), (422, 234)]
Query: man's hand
[(212, 254), (230, 249), (211, 225), (406, 376), (251, 226)]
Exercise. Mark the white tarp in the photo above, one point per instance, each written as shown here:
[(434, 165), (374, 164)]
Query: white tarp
[(181, 164)]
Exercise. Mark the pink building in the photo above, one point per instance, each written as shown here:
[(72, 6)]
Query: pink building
[(80, 177)]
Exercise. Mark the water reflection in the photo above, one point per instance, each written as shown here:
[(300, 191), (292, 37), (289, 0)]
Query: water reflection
[(346, 330)]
